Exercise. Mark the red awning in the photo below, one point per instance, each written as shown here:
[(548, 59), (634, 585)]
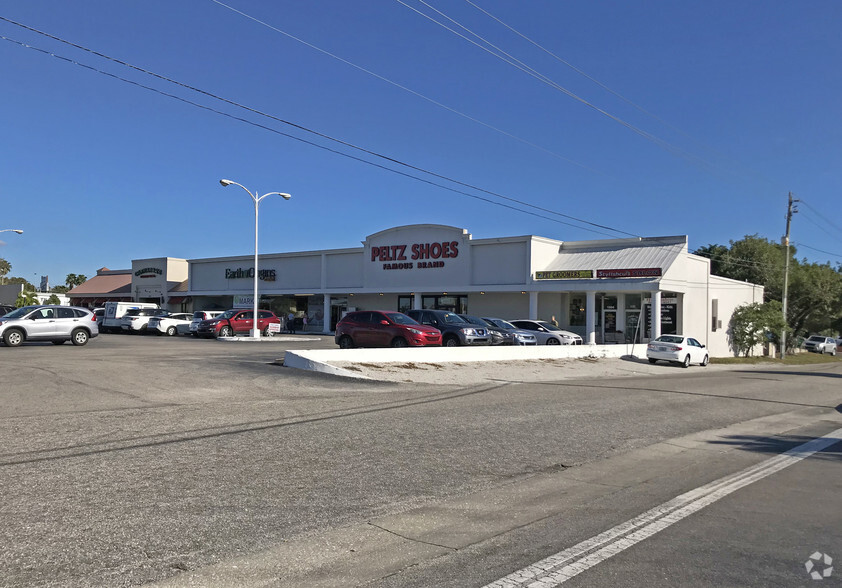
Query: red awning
[(176, 299)]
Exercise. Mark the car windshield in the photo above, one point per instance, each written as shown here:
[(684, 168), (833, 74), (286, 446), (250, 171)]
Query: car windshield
[(23, 311), (228, 314), (475, 320), (453, 319), (548, 326), (501, 323), (816, 338), (400, 319), (670, 339)]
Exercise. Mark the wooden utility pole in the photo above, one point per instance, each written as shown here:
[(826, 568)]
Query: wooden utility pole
[(789, 213)]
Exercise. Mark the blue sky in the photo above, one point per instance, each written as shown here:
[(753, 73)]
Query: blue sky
[(639, 118)]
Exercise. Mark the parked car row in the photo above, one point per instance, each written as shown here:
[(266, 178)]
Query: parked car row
[(428, 327)]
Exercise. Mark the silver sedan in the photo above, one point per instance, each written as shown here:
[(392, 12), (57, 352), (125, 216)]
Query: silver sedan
[(548, 333)]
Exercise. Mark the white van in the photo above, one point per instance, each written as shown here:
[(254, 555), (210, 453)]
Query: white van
[(114, 311)]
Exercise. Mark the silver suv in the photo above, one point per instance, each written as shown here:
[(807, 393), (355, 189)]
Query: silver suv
[(49, 322), (821, 344)]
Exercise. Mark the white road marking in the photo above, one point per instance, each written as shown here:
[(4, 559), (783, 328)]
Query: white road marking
[(562, 566)]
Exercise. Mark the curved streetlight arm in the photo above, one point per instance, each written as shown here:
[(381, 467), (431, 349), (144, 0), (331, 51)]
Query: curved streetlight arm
[(18, 231), (256, 199)]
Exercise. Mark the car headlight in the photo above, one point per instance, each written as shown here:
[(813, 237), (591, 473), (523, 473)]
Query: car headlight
[(472, 332), (415, 331)]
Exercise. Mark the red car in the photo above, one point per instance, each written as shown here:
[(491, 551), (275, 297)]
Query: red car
[(237, 320), (383, 328)]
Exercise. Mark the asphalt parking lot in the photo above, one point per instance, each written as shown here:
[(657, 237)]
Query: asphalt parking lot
[(138, 459)]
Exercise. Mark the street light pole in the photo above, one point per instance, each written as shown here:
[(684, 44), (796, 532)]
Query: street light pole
[(255, 331)]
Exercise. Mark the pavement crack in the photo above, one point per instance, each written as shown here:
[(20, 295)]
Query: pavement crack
[(454, 549)]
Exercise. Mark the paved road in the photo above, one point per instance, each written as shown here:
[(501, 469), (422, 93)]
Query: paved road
[(181, 462)]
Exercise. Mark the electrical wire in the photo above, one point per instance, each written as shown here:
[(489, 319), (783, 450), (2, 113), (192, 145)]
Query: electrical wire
[(507, 58), (336, 152), (753, 172), (322, 135), (407, 89)]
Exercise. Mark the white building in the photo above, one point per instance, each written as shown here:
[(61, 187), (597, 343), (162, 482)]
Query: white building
[(599, 289)]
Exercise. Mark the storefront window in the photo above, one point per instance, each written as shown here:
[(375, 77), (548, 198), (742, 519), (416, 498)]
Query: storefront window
[(404, 303), (632, 301), (452, 303), (577, 311)]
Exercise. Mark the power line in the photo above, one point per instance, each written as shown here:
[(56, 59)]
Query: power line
[(392, 160), (615, 93), (406, 89), (824, 217), (819, 250), (513, 61)]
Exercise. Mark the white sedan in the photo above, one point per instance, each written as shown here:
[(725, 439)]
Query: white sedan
[(677, 349), (174, 324)]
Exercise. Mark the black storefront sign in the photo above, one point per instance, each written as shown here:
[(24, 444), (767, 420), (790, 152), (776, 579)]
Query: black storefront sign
[(669, 319)]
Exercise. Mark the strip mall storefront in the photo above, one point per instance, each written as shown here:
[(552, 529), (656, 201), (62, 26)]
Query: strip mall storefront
[(611, 291)]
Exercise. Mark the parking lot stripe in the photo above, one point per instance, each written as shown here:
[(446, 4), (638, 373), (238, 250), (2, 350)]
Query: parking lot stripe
[(557, 569)]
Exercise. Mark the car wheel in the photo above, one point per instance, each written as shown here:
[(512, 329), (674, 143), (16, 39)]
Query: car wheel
[(686, 362), (553, 341), (172, 331), (225, 332), (13, 337), (705, 361), (79, 337), (652, 360), (268, 333), (451, 342), (58, 341), (399, 342), (345, 342)]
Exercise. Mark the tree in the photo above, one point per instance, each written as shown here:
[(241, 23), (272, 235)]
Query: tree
[(751, 259), (755, 324), (25, 298), (26, 284), (813, 303), (716, 254), (72, 280), (53, 299), (60, 289), (5, 268)]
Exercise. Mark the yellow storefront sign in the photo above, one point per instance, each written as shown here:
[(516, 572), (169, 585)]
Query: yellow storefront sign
[(564, 275)]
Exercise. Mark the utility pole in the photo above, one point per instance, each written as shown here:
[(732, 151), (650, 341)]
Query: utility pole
[(789, 212)]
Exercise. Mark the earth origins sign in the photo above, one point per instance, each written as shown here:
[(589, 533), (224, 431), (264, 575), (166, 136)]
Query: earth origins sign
[(267, 275)]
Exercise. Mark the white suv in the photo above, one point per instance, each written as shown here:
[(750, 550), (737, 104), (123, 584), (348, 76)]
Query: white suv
[(48, 323), (137, 319), (821, 344)]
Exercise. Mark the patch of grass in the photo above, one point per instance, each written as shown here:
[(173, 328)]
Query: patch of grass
[(796, 359)]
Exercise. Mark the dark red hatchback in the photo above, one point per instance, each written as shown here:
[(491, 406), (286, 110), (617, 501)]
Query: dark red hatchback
[(383, 328)]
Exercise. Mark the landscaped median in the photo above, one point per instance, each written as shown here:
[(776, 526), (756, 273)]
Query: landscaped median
[(323, 360)]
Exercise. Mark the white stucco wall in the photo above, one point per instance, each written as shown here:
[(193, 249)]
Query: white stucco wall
[(499, 263), (344, 270)]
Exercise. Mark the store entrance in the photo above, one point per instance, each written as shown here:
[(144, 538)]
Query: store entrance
[(336, 313)]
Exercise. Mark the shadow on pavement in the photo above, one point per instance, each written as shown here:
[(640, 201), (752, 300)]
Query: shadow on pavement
[(779, 444), (789, 373)]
